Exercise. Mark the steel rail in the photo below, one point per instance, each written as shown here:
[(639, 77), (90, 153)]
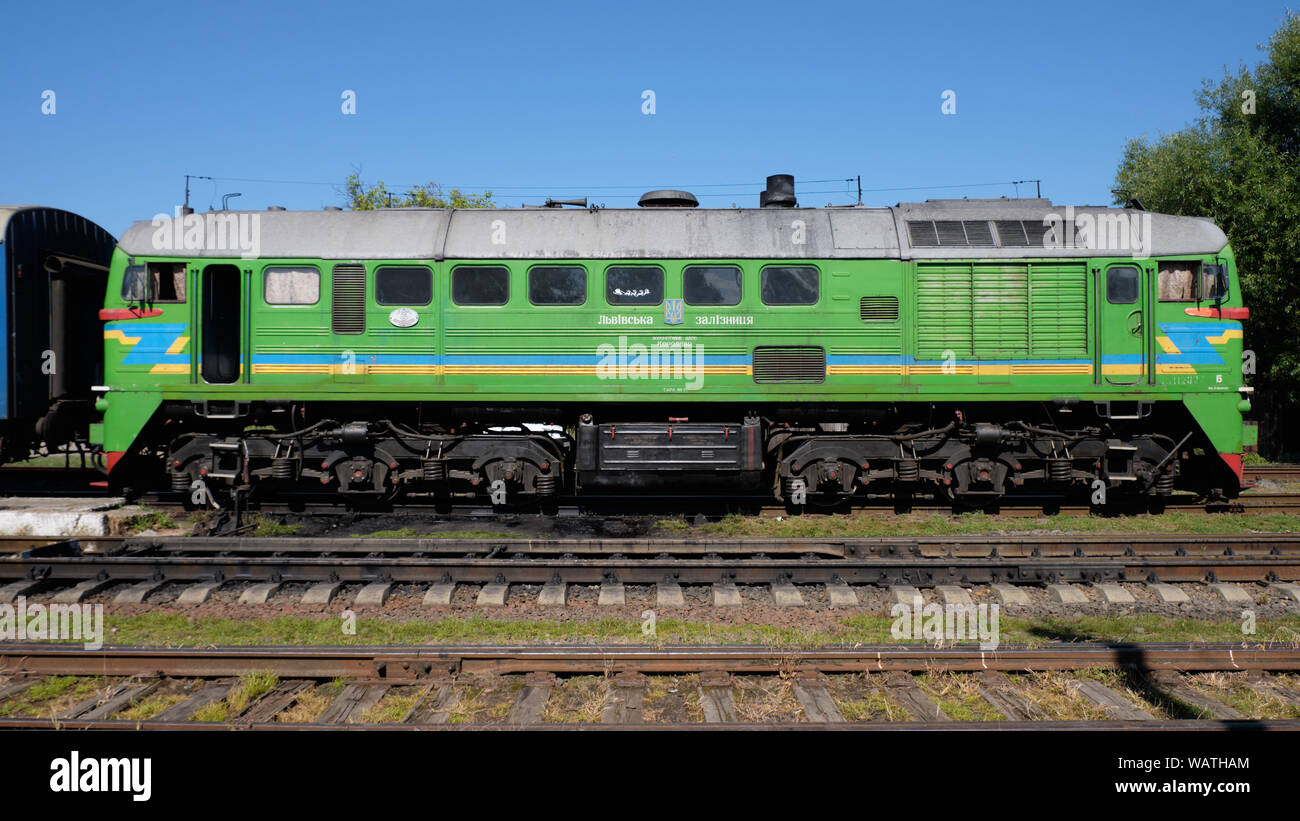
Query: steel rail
[(760, 506), (418, 663), (925, 561)]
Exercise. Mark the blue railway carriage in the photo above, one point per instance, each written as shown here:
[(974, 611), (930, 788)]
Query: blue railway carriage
[(53, 268)]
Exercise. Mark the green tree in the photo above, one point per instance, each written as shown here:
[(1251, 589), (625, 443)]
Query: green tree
[(430, 195), (1239, 163)]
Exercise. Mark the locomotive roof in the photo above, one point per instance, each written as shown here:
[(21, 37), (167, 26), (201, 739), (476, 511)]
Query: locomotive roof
[(955, 229)]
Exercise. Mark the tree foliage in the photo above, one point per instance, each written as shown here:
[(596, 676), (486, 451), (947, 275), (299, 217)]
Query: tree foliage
[(1239, 163), (362, 197)]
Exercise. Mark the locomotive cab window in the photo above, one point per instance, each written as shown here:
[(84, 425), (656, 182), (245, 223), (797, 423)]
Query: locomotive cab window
[(403, 285), (1122, 285), (1214, 282), (789, 285), (135, 286), (168, 281), (156, 282), (634, 285), (1176, 280), (557, 285), (291, 285), (480, 285), (711, 285)]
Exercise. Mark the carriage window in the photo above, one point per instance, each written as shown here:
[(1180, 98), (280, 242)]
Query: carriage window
[(134, 288), (291, 285), (480, 285), (634, 285), (1122, 285), (711, 285), (403, 285), (786, 285), (557, 285), (1176, 281)]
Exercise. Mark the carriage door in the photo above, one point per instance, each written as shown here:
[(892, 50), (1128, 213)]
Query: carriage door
[(1122, 330), (222, 327)]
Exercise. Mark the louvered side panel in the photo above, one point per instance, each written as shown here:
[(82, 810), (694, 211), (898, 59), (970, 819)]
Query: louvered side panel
[(349, 294), (878, 308), (943, 310), (789, 363), (1000, 294), (1059, 310)]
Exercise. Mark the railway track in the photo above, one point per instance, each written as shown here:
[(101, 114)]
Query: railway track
[(1151, 687), (131, 568), (18, 480), (1276, 473), (711, 506)]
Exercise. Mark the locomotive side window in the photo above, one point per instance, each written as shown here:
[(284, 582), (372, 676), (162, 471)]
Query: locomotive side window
[(157, 282), (291, 285), (711, 285), (557, 285), (1214, 282), (480, 285), (168, 281), (1122, 285), (134, 284), (789, 285), (403, 285), (634, 285), (1176, 281)]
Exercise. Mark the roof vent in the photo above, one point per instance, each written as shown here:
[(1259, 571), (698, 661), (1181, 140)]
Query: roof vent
[(779, 193), (668, 198)]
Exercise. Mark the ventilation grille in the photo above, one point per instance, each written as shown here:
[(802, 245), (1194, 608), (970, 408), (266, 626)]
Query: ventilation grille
[(349, 299), (789, 363), (980, 234), (878, 308), (950, 233)]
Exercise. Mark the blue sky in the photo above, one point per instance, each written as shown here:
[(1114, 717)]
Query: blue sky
[(545, 99)]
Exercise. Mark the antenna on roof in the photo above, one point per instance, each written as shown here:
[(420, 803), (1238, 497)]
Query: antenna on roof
[(187, 210), (1038, 190), (1130, 201)]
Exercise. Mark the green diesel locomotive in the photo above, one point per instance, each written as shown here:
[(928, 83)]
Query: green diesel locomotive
[(977, 348)]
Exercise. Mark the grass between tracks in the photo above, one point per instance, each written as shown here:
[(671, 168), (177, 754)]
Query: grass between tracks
[(171, 629), (976, 524)]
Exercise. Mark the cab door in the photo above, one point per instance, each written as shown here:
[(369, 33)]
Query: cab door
[(221, 324), (1123, 324)]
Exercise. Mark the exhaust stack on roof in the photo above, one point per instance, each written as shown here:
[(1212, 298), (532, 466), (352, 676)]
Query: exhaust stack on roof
[(779, 193)]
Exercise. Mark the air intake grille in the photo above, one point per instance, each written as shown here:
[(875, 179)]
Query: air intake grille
[(979, 234), (349, 299), (1011, 234), (878, 308), (789, 363), (950, 233)]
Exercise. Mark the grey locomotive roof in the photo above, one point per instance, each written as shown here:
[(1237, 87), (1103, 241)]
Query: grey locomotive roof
[(696, 233)]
